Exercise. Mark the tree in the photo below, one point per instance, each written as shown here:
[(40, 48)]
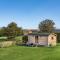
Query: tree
[(2, 31), (46, 26), (58, 37), (12, 30), (12, 25)]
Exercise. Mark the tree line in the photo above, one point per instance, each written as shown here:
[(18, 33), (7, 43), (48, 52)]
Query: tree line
[(12, 30)]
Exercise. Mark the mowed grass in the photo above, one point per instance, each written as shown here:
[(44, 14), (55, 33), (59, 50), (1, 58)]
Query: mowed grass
[(30, 53), (18, 37)]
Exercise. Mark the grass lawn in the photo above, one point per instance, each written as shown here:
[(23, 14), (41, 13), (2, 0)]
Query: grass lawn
[(18, 38), (30, 53)]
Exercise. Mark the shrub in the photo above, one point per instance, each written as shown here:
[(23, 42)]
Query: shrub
[(25, 39), (6, 43), (18, 40)]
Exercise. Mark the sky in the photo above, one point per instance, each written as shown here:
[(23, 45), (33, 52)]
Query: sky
[(29, 13)]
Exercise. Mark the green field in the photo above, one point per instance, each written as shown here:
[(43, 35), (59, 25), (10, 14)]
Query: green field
[(18, 38), (30, 53)]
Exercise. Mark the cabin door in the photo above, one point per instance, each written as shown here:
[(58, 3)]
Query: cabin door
[(36, 39)]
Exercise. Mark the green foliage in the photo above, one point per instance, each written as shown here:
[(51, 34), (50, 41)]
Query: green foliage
[(46, 25), (2, 31), (11, 31), (58, 37), (12, 25), (25, 39), (18, 40)]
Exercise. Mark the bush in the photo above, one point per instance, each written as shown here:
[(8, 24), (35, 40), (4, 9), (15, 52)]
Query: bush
[(6, 43), (58, 37), (25, 39), (18, 40)]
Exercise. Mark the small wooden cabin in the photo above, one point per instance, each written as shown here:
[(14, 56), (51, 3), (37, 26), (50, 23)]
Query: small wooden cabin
[(45, 39)]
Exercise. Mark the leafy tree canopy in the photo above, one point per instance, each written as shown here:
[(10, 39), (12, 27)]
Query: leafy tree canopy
[(46, 26), (11, 30)]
